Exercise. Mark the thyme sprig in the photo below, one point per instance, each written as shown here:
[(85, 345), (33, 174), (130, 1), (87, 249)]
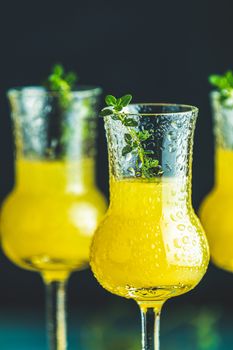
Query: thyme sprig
[(62, 82), (224, 85), (135, 139)]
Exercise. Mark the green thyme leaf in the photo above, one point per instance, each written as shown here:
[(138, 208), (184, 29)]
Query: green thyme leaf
[(144, 135), (127, 149), (58, 70), (115, 117), (125, 100), (128, 138), (224, 85), (130, 122), (118, 102), (106, 112), (118, 108), (62, 82), (110, 100)]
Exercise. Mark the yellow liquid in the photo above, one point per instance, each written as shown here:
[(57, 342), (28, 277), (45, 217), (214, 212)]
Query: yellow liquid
[(48, 220), (216, 212), (150, 245)]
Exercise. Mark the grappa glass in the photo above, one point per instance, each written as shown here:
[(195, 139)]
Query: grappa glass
[(216, 210), (49, 218), (150, 245)]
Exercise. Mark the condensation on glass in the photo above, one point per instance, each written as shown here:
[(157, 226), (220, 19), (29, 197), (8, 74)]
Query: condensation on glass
[(45, 130)]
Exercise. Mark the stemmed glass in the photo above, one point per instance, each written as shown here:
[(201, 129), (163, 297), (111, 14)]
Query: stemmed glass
[(150, 246), (49, 218), (216, 210)]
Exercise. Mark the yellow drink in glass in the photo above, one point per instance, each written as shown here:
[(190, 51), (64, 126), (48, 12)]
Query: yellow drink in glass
[(217, 209), (49, 219), (150, 244)]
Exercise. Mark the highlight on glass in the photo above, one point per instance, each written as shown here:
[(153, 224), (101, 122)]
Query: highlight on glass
[(49, 218), (150, 246)]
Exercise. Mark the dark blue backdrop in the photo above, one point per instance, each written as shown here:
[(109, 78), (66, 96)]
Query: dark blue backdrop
[(157, 50)]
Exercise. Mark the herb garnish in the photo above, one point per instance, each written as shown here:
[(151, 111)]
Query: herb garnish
[(59, 81), (135, 140), (60, 84), (224, 84)]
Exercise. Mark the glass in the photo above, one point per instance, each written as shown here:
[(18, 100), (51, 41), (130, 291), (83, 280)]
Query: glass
[(49, 218), (150, 246), (216, 210)]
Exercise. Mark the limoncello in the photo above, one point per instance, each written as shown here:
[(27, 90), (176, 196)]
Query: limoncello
[(150, 245), (48, 220), (216, 211)]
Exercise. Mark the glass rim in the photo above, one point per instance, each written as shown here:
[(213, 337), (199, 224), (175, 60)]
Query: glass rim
[(82, 91), (185, 109)]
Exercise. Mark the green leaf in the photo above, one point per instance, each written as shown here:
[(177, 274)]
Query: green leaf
[(110, 100), (130, 122), (63, 82), (144, 135), (71, 78), (115, 117), (224, 82), (215, 79), (105, 112), (58, 70), (118, 108), (153, 163), (149, 152), (127, 149), (125, 100), (119, 102), (128, 138)]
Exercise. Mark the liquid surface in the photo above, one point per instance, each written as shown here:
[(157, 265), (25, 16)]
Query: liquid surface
[(48, 220), (216, 212), (150, 245)]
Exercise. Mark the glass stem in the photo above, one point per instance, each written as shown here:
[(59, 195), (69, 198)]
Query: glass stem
[(150, 315), (56, 314)]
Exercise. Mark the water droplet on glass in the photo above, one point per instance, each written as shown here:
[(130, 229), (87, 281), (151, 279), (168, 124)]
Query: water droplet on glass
[(159, 170), (139, 164), (185, 239), (194, 242), (172, 136), (179, 215), (128, 157), (176, 243), (174, 125), (172, 217), (177, 258), (171, 148), (168, 167), (131, 170), (181, 227)]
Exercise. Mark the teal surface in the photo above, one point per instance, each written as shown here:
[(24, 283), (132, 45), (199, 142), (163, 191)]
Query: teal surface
[(116, 329)]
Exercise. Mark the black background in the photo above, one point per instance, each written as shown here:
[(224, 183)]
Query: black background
[(160, 51)]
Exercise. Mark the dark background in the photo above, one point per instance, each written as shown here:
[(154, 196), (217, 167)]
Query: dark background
[(160, 51)]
